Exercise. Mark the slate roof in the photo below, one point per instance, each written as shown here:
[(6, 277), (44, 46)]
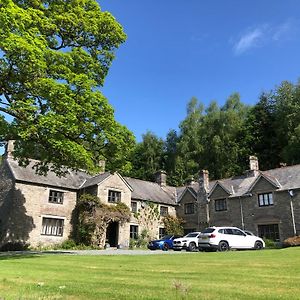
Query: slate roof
[(72, 180), (95, 179), (284, 178), (151, 191)]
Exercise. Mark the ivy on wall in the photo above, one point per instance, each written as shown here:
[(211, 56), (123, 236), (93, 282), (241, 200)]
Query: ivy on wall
[(92, 217)]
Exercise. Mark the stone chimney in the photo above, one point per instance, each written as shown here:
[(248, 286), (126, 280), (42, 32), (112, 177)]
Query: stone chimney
[(254, 168), (202, 199), (102, 166), (161, 178), (204, 181), (9, 148)]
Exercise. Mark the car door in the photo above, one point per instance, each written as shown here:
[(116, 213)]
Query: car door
[(240, 239)]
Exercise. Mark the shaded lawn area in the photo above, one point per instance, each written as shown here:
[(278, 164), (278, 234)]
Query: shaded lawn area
[(267, 274)]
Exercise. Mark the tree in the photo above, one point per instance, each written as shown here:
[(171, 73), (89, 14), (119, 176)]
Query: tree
[(147, 157), (54, 56)]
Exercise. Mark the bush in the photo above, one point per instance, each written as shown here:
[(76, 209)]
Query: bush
[(141, 241), (272, 244), (292, 241), (14, 246)]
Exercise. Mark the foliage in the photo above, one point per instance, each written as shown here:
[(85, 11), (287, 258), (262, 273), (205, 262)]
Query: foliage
[(148, 215), (141, 241), (14, 246), (147, 157), (54, 58), (92, 218), (173, 225), (221, 139)]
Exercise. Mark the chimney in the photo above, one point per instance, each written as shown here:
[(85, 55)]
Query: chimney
[(102, 166), (204, 181), (161, 178), (9, 148), (254, 168)]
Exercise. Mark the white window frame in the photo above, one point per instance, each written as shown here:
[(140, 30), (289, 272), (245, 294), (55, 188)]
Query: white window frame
[(265, 199), (53, 229), (114, 196)]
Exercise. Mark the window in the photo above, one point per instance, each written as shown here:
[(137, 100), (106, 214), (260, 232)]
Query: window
[(270, 231), (134, 231), (265, 199), (163, 211), (52, 226), (56, 197), (220, 205), (134, 206), (189, 208), (114, 196), (161, 233)]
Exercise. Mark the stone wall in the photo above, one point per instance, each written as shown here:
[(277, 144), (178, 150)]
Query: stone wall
[(192, 221), (245, 212)]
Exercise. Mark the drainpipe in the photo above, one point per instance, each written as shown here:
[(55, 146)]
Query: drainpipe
[(291, 193), (242, 214)]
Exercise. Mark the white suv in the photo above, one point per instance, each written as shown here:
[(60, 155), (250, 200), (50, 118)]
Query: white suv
[(188, 242), (225, 238)]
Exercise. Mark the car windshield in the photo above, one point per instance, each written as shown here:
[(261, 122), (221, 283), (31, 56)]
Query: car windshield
[(166, 237), (192, 234), (208, 230)]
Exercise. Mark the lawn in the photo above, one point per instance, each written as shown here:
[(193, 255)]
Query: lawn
[(267, 274)]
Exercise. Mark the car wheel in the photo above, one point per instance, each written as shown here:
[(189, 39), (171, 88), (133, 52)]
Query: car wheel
[(192, 246), (223, 246), (165, 247), (258, 245)]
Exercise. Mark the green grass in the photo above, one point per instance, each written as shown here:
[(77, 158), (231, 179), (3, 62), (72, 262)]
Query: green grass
[(267, 274)]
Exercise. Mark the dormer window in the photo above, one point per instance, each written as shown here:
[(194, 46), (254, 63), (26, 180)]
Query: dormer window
[(220, 205), (56, 197), (265, 199), (189, 208), (114, 196)]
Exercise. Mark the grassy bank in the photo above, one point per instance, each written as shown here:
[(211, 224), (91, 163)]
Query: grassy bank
[(268, 274)]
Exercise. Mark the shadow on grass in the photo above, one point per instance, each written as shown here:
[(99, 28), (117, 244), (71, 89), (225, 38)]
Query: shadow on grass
[(29, 254)]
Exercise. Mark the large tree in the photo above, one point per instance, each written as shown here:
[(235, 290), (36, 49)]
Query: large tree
[(54, 56)]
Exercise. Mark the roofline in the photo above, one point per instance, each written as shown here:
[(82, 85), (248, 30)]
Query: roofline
[(187, 189), (221, 185), (258, 178), (47, 185)]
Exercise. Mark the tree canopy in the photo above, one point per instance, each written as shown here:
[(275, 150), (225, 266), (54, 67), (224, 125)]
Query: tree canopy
[(221, 139), (54, 56)]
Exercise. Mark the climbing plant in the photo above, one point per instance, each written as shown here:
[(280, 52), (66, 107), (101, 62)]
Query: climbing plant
[(92, 218), (148, 216), (173, 225)]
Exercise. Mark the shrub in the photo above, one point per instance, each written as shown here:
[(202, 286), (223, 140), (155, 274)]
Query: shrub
[(14, 246), (272, 244)]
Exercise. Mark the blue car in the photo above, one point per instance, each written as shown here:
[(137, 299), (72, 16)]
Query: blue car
[(165, 243)]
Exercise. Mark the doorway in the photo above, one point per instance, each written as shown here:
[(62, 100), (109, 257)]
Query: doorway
[(112, 234)]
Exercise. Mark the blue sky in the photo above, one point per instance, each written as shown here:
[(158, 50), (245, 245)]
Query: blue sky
[(178, 49)]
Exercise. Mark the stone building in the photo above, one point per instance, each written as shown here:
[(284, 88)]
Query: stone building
[(37, 209), (264, 202)]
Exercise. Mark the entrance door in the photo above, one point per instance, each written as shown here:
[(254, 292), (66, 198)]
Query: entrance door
[(112, 234)]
